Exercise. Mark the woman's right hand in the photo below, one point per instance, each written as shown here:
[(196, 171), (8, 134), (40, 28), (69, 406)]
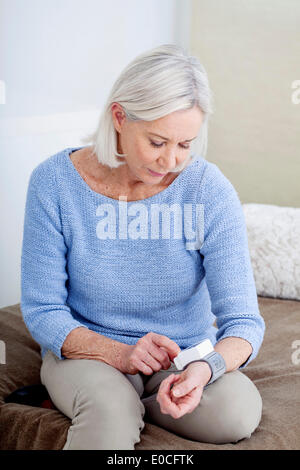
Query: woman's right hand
[(151, 353)]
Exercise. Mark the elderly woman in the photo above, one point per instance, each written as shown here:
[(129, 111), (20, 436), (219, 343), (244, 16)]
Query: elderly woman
[(114, 298)]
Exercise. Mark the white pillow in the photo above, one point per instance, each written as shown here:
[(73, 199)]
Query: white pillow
[(274, 246)]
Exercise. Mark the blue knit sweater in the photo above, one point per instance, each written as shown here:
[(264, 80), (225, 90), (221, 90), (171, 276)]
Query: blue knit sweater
[(120, 270)]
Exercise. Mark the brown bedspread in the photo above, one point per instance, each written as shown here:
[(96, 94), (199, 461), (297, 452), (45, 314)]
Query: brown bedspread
[(274, 372)]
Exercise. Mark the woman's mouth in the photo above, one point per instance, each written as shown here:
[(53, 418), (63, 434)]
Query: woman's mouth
[(153, 173)]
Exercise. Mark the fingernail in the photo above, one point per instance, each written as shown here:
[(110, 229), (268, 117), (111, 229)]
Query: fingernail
[(177, 392)]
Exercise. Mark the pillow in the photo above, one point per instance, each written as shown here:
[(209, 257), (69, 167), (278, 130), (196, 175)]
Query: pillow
[(274, 246)]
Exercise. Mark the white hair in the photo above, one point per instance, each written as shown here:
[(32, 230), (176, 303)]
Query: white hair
[(156, 83)]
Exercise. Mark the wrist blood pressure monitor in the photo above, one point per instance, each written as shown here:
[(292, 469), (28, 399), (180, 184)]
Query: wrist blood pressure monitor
[(204, 352)]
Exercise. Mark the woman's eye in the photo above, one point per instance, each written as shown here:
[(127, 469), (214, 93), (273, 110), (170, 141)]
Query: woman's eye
[(154, 144)]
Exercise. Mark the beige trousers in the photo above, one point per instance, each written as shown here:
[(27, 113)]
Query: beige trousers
[(107, 407)]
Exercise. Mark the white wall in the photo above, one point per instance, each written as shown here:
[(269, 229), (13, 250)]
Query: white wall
[(251, 51), (58, 60)]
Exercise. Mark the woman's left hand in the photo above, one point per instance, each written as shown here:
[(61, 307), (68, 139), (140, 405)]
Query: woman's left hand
[(190, 382)]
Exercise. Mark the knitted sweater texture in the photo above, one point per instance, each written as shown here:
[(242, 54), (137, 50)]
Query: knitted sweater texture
[(176, 263)]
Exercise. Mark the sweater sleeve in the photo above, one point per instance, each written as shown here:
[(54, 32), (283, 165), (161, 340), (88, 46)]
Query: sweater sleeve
[(43, 264), (227, 263)]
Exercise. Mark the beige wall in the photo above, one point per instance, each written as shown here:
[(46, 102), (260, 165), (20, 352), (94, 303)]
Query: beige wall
[(251, 51)]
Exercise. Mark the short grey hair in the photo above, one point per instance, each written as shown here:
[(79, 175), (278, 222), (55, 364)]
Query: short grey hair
[(156, 83)]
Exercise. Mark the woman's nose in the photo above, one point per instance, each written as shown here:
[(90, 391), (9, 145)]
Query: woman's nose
[(168, 161)]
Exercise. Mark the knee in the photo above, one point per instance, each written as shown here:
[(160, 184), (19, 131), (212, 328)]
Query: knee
[(107, 417), (238, 409), (115, 398)]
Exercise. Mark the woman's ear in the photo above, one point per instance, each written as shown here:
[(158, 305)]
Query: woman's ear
[(118, 116)]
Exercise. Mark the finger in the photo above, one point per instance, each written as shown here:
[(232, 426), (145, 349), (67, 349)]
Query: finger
[(171, 347), (165, 385), (177, 379), (160, 354), (192, 395), (142, 354), (182, 388), (164, 393), (150, 361), (186, 404), (180, 406), (167, 382), (143, 367)]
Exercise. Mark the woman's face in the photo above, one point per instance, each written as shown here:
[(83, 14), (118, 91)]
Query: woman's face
[(161, 145)]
